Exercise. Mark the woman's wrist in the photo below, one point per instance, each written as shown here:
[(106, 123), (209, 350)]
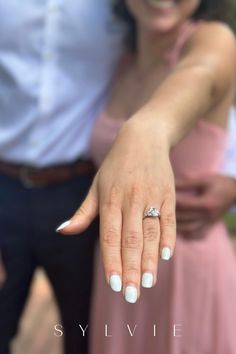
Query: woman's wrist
[(149, 132)]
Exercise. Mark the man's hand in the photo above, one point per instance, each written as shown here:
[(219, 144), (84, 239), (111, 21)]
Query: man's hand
[(213, 196)]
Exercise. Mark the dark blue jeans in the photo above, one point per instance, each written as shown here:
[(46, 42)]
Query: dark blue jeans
[(28, 218)]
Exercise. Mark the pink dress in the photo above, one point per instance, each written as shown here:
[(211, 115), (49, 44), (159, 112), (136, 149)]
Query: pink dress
[(192, 309)]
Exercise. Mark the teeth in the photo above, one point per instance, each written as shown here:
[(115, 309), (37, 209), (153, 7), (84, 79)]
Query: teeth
[(161, 4)]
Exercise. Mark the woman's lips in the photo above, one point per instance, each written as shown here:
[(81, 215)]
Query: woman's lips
[(161, 4)]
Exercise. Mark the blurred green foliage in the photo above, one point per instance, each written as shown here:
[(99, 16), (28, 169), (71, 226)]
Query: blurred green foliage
[(232, 19), (230, 220)]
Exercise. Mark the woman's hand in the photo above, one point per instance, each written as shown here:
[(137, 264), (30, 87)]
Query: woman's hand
[(135, 176)]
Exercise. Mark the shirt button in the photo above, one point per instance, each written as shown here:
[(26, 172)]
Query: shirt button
[(34, 142), (52, 8), (48, 56), (45, 100)]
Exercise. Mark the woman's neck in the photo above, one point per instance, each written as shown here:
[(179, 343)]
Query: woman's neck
[(153, 47)]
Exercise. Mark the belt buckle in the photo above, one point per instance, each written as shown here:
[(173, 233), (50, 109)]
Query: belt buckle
[(25, 179)]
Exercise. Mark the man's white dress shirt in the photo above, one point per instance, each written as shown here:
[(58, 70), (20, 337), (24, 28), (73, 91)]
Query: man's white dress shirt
[(229, 168), (57, 58)]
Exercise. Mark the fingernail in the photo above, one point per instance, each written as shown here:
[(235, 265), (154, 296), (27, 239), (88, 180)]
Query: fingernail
[(64, 224), (166, 253), (115, 283), (147, 280), (131, 294)]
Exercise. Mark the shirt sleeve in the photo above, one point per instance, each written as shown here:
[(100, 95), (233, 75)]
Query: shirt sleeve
[(229, 165)]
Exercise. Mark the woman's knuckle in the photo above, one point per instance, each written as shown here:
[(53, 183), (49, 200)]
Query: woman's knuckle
[(82, 211), (111, 201), (150, 233), (111, 237), (132, 269), (150, 258), (134, 195), (112, 263), (169, 219), (114, 194), (169, 191), (132, 240)]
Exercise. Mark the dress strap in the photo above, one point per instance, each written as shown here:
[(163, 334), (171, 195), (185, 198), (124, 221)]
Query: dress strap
[(186, 31)]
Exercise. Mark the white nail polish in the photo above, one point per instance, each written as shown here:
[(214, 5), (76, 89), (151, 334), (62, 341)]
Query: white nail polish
[(166, 253), (131, 294), (147, 280), (64, 224), (115, 283)]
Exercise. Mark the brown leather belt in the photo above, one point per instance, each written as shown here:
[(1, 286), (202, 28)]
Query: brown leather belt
[(36, 177)]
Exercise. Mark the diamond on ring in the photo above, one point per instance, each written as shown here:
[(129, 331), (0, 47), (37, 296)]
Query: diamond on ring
[(152, 212)]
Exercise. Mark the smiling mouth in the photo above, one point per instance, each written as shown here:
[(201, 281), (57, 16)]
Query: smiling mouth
[(161, 4)]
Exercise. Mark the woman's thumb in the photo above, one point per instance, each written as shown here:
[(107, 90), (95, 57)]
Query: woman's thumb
[(84, 215)]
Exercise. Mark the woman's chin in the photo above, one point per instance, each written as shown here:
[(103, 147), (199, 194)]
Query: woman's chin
[(163, 26)]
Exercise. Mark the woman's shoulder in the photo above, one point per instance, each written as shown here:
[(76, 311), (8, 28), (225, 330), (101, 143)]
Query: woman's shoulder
[(212, 44), (212, 32)]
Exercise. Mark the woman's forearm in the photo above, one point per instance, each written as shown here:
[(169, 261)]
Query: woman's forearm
[(204, 76), (175, 106)]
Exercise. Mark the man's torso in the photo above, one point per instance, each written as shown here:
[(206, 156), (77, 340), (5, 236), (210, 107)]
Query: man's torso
[(56, 62)]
